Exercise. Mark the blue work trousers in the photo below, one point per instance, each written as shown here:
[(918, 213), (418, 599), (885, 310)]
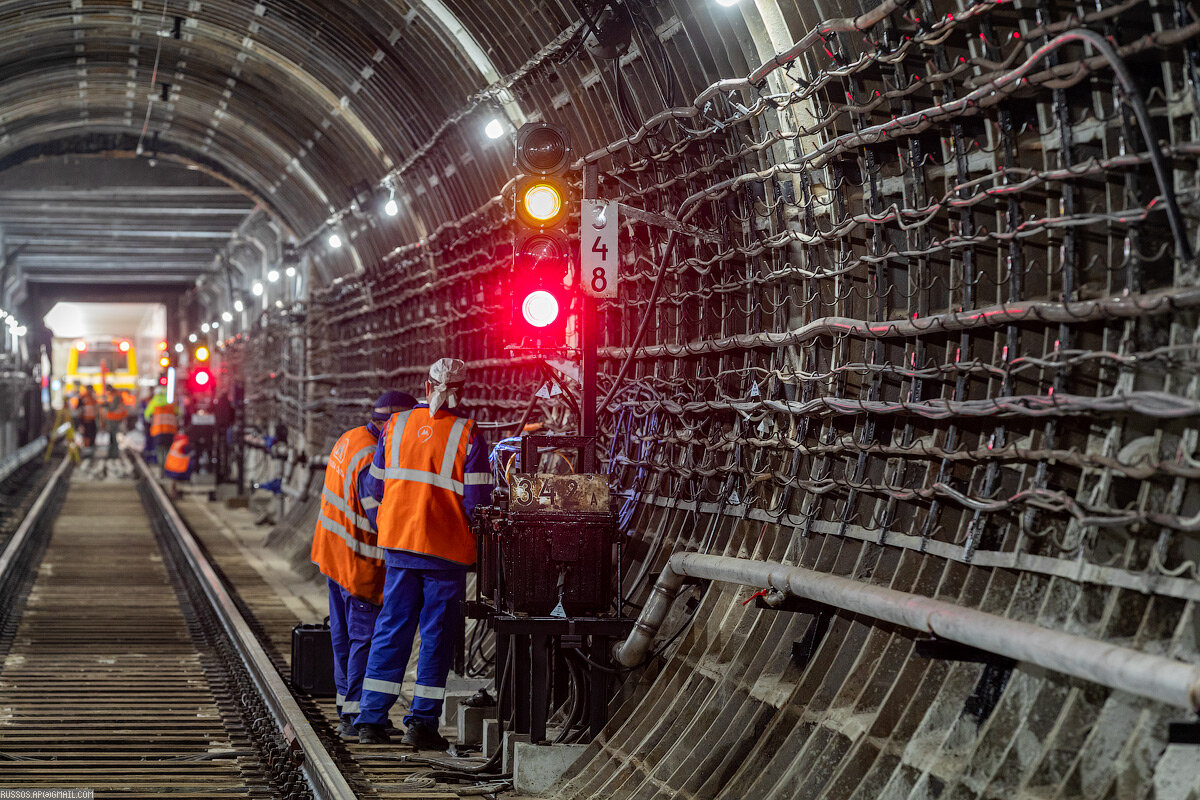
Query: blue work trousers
[(351, 624), (428, 598)]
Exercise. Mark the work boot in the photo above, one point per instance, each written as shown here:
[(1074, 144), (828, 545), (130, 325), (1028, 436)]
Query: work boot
[(347, 730), (424, 737), (369, 733)]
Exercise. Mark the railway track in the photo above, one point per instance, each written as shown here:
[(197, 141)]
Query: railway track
[(128, 667)]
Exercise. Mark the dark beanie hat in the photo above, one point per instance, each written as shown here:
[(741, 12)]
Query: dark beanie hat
[(391, 399)]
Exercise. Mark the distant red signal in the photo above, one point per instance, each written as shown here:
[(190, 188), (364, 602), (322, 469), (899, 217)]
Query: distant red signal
[(201, 380)]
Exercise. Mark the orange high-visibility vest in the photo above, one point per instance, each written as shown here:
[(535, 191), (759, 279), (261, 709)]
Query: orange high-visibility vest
[(345, 546), (115, 412), (177, 462), (421, 510), (162, 419), (87, 409)]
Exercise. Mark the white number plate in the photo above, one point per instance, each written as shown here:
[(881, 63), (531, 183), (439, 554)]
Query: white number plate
[(598, 255)]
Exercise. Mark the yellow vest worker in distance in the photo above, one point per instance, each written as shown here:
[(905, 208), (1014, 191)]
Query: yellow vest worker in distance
[(163, 420), (344, 549), (429, 472)]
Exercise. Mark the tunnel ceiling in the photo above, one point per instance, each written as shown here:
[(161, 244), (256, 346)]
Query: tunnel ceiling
[(90, 221), (293, 101)]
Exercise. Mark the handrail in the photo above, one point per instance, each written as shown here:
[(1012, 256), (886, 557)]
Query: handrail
[(319, 768), (1159, 678)]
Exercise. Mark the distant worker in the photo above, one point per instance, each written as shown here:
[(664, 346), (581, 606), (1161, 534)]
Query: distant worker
[(89, 411), (131, 403), (115, 414), (428, 473), (177, 465), (345, 550), (163, 422)]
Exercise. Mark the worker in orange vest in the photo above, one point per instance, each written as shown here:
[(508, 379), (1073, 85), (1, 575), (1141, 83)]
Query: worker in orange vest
[(89, 410), (344, 549), (177, 465), (428, 473), (115, 414), (130, 402), (163, 421)]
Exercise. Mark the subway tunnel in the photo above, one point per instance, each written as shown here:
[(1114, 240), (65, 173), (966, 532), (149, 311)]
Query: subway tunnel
[(902, 307)]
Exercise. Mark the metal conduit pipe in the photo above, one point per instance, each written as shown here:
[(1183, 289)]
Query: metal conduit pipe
[(1159, 678)]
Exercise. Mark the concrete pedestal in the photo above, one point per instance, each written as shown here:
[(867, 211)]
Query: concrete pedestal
[(538, 768), (471, 722)]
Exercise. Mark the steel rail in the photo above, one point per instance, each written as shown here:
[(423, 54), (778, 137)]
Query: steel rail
[(15, 547), (320, 770)]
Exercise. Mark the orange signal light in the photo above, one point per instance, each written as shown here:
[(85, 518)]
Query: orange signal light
[(202, 353), (165, 361), (542, 202)]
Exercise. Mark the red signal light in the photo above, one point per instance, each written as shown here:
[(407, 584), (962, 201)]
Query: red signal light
[(201, 380), (539, 308), (162, 380)]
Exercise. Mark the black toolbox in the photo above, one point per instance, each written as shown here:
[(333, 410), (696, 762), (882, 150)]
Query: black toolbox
[(312, 660)]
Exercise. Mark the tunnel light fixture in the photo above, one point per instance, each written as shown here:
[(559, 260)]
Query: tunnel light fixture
[(225, 315), (291, 272), (179, 348), (494, 129), (728, 3), (204, 328), (279, 304), (239, 306), (391, 208), (192, 338), (257, 289), (273, 275), (215, 324), (335, 241), (20, 330)]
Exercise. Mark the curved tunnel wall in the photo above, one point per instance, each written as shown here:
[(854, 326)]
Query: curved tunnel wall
[(1017, 435), (943, 339)]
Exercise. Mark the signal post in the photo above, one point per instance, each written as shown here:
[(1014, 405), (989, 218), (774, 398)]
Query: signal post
[(549, 553)]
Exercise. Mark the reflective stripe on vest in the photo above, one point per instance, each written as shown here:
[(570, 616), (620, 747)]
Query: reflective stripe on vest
[(344, 544), (423, 475), (162, 420)]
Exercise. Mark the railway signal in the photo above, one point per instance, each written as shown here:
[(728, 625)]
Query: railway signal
[(540, 287)]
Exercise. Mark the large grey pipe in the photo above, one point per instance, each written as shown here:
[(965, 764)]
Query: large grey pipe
[(1159, 678)]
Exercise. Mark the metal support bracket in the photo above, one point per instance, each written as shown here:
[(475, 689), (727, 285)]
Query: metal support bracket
[(658, 220)]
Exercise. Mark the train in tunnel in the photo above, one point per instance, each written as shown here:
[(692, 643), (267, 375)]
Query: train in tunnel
[(873, 325)]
